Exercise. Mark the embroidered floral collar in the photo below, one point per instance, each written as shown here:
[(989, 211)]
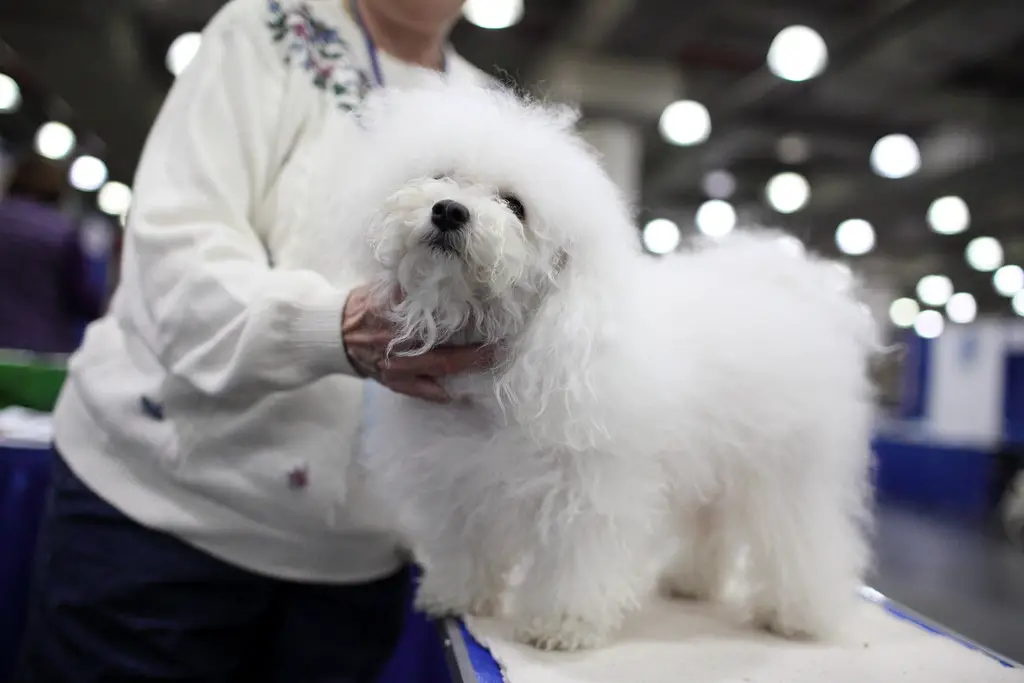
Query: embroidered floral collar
[(318, 49)]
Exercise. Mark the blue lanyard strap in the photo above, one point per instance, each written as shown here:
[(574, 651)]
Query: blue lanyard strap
[(371, 47)]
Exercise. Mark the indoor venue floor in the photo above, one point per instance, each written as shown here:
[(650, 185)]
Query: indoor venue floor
[(965, 578)]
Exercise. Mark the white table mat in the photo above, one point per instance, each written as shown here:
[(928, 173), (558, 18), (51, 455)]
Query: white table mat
[(679, 642)]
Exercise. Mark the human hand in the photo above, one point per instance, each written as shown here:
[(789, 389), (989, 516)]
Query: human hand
[(366, 335)]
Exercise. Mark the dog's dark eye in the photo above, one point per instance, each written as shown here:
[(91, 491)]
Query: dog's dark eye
[(514, 205)]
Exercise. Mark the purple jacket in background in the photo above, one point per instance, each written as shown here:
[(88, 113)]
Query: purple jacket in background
[(45, 293)]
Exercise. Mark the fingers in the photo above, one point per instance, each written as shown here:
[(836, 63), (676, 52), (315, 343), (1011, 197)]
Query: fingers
[(415, 375), (373, 338), (417, 387), (442, 361), (367, 335)]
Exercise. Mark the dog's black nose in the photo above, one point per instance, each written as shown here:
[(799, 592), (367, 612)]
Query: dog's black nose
[(448, 215)]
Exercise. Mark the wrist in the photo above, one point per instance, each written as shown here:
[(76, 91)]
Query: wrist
[(317, 333)]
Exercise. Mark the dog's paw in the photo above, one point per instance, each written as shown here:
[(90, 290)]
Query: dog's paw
[(438, 604), (485, 607), (770, 620), (678, 588), (566, 633)]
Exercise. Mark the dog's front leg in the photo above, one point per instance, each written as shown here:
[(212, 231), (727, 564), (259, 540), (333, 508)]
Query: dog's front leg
[(466, 552), (590, 572), (460, 579)]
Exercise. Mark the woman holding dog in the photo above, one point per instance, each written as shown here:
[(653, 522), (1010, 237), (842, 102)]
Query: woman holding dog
[(197, 528)]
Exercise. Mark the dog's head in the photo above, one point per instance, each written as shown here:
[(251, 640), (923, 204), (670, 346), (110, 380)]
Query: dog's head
[(492, 220), (479, 201), (468, 257)]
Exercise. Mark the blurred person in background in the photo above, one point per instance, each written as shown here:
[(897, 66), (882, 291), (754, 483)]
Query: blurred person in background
[(197, 529), (45, 293)]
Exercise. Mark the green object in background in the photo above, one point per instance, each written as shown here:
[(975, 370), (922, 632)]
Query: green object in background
[(31, 381)]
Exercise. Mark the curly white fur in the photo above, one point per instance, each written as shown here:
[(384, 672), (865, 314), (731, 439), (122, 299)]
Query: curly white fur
[(718, 398)]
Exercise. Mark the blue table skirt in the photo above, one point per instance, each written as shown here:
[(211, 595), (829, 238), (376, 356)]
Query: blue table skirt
[(24, 481)]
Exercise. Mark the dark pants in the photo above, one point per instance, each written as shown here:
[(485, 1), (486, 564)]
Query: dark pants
[(115, 602)]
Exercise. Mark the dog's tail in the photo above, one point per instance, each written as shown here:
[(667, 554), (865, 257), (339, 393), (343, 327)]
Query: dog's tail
[(829, 285)]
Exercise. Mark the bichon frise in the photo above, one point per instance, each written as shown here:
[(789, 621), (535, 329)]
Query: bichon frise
[(718, 397)]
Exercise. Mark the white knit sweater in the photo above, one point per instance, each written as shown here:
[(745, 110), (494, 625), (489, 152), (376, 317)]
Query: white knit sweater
[(214, 401)]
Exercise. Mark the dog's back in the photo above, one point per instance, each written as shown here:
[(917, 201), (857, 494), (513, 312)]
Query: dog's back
[(744, 337)]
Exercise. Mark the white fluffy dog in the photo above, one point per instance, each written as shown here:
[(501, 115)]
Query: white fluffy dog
[(718, 398)]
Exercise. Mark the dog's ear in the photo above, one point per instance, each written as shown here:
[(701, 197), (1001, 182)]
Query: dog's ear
[(548, 382)]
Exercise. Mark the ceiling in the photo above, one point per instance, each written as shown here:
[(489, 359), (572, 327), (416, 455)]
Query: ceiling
[(949, 73)]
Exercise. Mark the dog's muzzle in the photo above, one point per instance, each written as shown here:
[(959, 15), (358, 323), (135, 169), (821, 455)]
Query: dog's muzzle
[(449, 216)]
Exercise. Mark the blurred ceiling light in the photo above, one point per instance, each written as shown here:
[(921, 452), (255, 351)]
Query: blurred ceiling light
[(716, 218), (1018, 303), (949, 215), (855, 237), (793, 149), (1008, 280), (788, 192), (10, 94), (797, 53), (87, 174), (661, 236), (895, 156), (493, 14), (962, 308), (984, 254), (114, 198), (719, 184), (929, 324), (903, 312), (934, 290), (54, 140), (182, 51), (685, 123)]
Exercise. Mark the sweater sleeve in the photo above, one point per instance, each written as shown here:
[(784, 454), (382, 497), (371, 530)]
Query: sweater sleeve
[(216, 313)]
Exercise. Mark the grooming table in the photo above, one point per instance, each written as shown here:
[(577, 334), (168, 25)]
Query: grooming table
[(675, 642)]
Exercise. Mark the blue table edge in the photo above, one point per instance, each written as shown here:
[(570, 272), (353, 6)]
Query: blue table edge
[(467, 658), (454, 638)]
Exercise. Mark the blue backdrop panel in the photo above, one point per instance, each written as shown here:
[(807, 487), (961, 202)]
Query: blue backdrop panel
[(914, 393), (1013, 399), (953, 480)]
